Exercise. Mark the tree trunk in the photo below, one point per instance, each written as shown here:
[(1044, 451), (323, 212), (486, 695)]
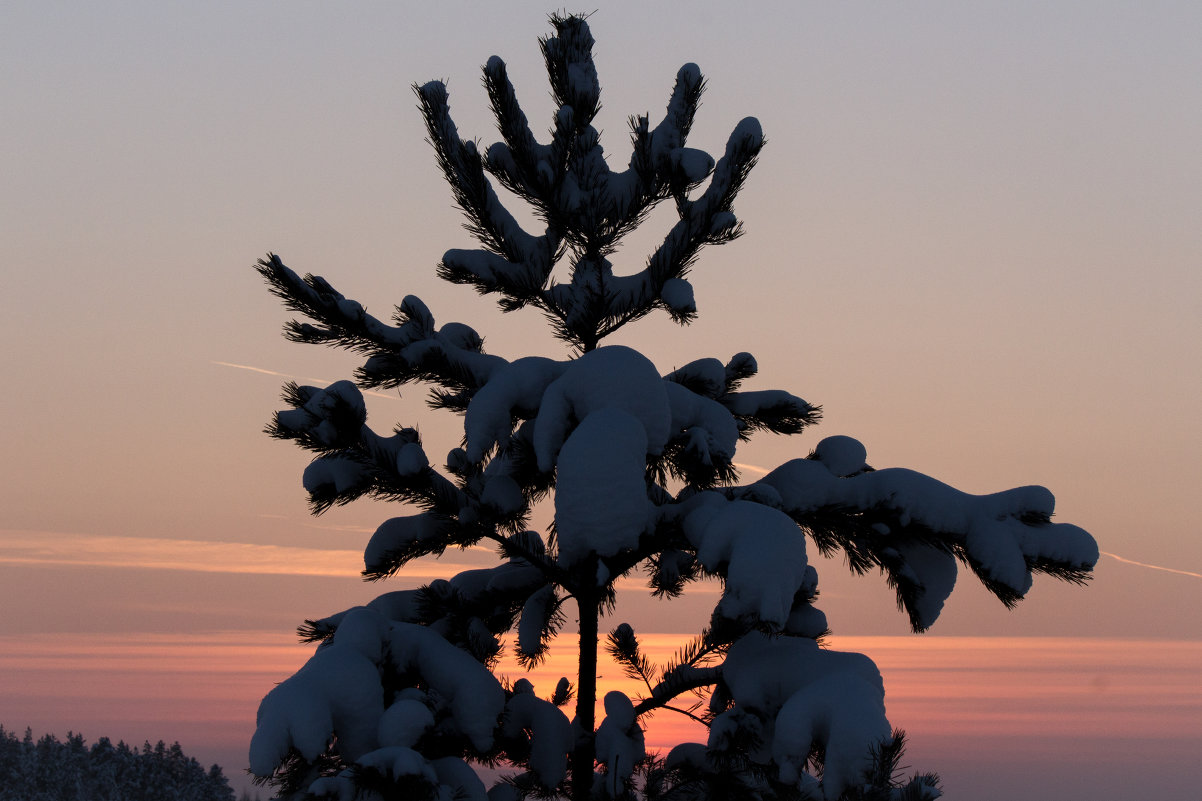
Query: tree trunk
[(584, 754)]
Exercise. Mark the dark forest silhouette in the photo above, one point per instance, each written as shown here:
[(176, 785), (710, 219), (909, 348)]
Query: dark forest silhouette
[(51, 770)]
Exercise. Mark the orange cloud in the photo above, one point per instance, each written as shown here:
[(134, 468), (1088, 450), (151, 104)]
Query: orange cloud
[(53, 548)]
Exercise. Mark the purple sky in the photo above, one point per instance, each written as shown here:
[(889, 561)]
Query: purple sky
[(973, 238)]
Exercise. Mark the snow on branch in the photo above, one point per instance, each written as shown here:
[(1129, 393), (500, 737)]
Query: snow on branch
[(585, 206), (758, 551), (808, 695), (520, 163), (541, 619), (537, 732), (569, 59), (451, 357), (346, 323), (771, 410), (353, 460), (463, 167), (470, 610), (909, 524), (707, 220)]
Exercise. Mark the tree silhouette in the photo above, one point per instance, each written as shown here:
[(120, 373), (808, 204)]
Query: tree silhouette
[(399, 699), (50, 770)]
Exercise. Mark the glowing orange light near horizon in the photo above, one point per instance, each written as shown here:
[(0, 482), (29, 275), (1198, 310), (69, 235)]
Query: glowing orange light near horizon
[(203, 689), (664, 729)]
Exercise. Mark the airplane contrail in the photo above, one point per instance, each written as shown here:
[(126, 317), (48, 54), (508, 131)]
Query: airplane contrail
[(253, 369), (1126, 561), (298, 378)]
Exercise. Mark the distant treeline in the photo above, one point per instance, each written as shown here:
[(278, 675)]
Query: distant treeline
[(49, 770)]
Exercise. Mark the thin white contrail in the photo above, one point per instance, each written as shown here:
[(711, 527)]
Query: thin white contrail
[(1126, 561), (322, 381), (253, 369)]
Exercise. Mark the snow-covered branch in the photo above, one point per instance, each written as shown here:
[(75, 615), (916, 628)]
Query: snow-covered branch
[(912, 526)]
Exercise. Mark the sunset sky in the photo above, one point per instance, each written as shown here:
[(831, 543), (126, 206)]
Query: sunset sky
[(974, 237)]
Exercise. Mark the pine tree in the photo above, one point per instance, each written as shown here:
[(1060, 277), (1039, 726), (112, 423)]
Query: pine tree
[(104, 771), (399, 699)]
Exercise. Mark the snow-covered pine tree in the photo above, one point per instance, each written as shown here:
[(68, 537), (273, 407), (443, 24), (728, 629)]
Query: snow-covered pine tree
[(400, 701)]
